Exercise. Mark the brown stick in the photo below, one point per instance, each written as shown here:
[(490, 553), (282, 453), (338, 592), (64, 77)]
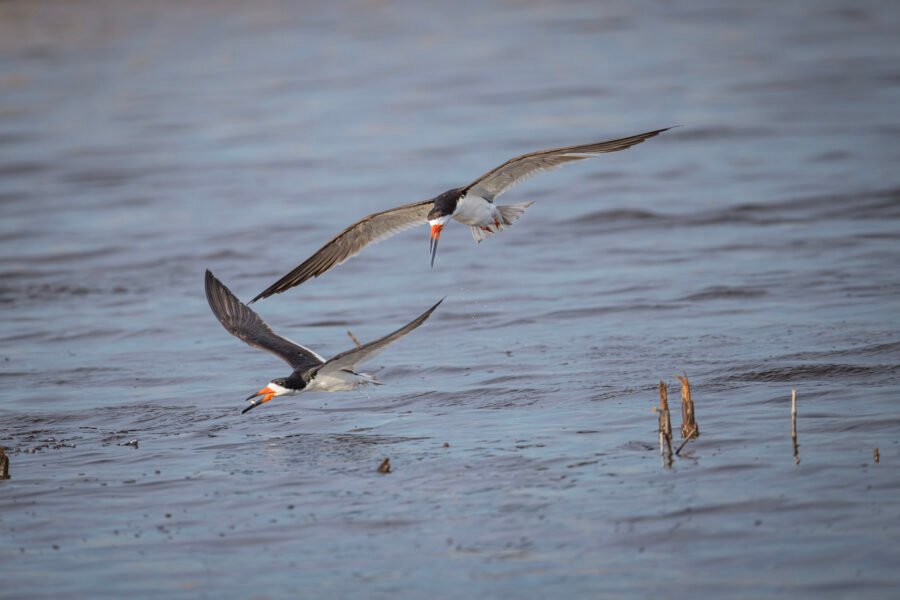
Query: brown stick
[(689, 427), (665, 425), (4, 464), (353, 337), (794, 427), (877, 456), (684, 443)]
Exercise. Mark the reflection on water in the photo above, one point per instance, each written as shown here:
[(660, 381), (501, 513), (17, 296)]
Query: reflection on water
[(754, 248)]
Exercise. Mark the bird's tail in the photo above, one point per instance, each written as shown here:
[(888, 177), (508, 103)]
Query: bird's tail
[(509, 214), (367, 379)]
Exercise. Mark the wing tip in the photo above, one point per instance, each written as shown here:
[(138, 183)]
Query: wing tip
[(297, 276), (221, 300), (282, 285), (209, 283), (275, 288), (640, 138), (654, 133), (214, 283), (425, 315)]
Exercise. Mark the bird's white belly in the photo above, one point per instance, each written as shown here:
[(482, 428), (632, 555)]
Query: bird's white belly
[(475, 211), (338, 381)]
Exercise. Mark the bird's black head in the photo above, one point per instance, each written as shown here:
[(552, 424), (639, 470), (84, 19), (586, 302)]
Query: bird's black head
[(445, 204), (440, 213)]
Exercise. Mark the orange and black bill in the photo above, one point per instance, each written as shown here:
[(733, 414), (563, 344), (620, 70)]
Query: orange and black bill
[(433, 244), (266, 394)]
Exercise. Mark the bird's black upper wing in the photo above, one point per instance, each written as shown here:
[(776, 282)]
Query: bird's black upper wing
[(498, 180), (240, 321), (350, 242), (351, 358)]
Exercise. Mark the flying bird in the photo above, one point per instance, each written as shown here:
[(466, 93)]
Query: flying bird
[(311, 371), (472, 205)]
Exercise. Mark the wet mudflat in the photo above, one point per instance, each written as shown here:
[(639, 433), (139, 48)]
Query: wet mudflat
[(755, 248)]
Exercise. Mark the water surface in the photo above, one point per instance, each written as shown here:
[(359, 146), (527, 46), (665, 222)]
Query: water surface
[(754, 248)]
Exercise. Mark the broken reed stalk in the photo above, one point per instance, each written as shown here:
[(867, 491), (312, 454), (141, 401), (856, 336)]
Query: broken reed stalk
[(4, 464), (689, 428), (353, 337), (665, 426), (794, 427), (877, 456), (684, 443)]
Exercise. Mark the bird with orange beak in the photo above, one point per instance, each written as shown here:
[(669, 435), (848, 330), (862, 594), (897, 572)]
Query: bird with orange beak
[(471, 205), (311, 371)]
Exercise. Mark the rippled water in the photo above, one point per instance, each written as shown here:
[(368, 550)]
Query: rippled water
[(755, 248)]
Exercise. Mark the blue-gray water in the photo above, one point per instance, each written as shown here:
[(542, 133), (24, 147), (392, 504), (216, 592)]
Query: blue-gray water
[(755, 248)]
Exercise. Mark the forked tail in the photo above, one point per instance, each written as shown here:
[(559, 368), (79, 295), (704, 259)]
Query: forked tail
[(512, 212), (509, 214), (366, 379)]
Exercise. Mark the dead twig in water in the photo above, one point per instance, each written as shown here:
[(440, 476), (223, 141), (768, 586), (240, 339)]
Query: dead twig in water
[(353, 337), (684, 443), (794, 427), (689, 427), (4, 464), (877, 456), (665, 426), (385, 466)]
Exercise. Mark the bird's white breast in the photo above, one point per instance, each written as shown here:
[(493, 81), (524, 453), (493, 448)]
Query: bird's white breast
[(474, 210), (337, 381)]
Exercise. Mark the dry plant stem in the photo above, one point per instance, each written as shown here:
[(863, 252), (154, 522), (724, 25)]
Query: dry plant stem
[(684, 443), (4, 464), (662, 433), (665, 425), (877, 456), (794, 427), (353, 337), (688, 420)]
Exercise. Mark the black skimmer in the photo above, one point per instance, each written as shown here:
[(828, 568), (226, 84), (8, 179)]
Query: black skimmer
[(471, 205), (311, 371)]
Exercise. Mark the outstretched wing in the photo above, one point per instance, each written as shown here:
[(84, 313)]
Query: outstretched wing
[(350, 242), (495, 182), (351, 358), (240, 321)]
